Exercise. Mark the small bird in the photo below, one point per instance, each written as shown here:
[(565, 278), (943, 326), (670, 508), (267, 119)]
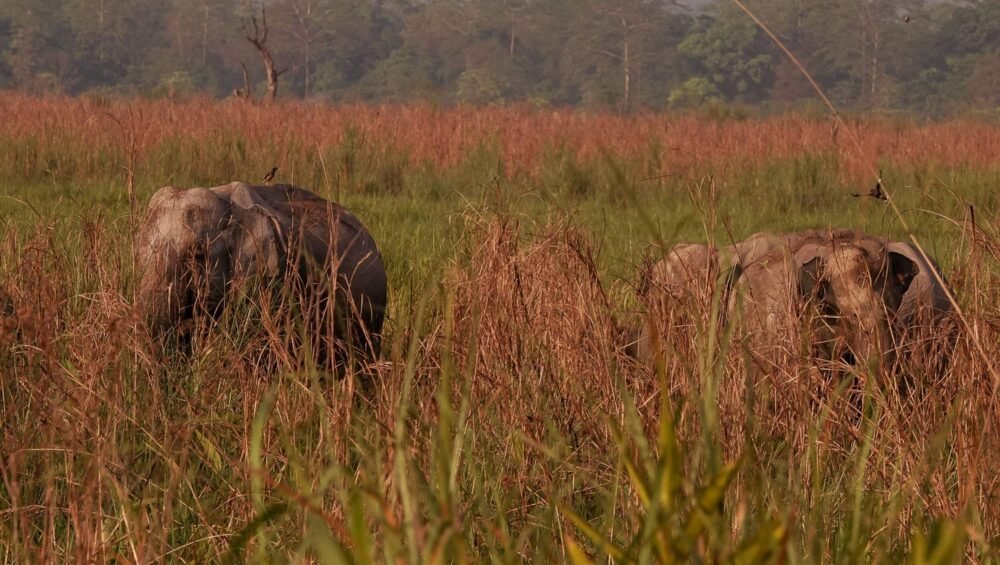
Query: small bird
[(875, 193), (270, 176), (907, 19)]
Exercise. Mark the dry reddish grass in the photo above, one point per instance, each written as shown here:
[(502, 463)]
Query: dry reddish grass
[(531, 343), (535, 329), (108, 452), (199, 135)]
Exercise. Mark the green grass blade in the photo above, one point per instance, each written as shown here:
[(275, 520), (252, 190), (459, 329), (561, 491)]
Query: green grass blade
[(603, 543), (239, 543)]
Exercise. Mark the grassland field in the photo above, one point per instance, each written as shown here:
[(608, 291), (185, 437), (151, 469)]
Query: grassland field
[(488, 435)]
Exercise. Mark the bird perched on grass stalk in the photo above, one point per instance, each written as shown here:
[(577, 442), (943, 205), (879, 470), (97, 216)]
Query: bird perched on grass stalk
[(875, 193), (270, 176)]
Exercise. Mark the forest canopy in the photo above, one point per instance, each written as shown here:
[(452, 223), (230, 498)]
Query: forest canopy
[(919, 56)]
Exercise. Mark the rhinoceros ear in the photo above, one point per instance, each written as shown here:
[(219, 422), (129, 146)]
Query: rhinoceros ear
[(729, 278), (811, 279), (904, 270), (256, 235)]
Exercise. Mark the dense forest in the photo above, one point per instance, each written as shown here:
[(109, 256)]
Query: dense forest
[(919, 56)]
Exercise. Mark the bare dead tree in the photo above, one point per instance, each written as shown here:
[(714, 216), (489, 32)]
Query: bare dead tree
[(625, 57), (244, 93), (259, 41), (309, 32)]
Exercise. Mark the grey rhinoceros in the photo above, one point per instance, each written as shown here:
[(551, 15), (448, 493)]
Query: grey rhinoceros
[(863, 294), (196, 247)]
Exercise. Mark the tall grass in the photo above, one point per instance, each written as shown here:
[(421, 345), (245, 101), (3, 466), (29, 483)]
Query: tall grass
[(201, 140), (506, 420)]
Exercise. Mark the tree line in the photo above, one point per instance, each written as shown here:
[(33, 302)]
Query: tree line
[(929, 57)]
